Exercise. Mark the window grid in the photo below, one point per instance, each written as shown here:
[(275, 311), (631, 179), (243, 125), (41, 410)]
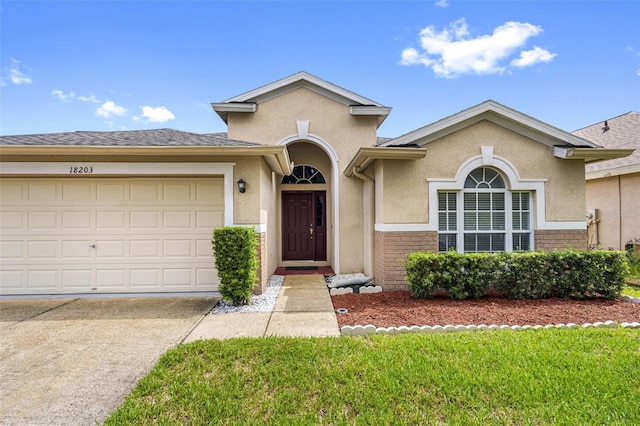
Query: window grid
[(493, 218), (447, 221)]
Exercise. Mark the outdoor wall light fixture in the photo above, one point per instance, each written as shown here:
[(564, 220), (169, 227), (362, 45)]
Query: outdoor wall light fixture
[(242, 186)]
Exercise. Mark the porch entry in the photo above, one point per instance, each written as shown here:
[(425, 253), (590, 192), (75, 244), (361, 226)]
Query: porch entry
[(304, 225)]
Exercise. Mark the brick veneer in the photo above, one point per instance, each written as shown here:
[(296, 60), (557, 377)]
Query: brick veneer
[(263, 275), (561, 239), (391, 249)]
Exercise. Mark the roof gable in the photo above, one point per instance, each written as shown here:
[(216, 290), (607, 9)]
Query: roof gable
[(248, 101), (499, 114)]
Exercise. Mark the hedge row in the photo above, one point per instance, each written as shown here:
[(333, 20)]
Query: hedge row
[(533, 275), (236, 259)]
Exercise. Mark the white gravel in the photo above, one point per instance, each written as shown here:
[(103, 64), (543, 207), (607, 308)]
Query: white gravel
[(258, 303)]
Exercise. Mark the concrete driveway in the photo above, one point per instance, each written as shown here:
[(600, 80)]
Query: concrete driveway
[(73, 361)]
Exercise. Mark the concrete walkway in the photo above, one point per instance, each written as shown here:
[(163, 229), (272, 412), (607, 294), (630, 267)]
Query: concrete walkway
[(303, 308)]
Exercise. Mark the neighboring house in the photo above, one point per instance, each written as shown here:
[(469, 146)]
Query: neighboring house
[(133, 211), (613, 186)]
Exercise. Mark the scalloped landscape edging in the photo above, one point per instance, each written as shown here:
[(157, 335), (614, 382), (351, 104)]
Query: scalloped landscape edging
[(630, 299), (365, 330)]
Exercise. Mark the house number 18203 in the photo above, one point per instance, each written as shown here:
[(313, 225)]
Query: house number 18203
[(80, 170)]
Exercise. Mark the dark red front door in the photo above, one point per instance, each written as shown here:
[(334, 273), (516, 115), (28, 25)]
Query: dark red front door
[(304, 234)]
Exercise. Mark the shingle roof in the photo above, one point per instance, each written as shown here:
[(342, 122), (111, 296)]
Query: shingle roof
[(624, 132), (154, 137)]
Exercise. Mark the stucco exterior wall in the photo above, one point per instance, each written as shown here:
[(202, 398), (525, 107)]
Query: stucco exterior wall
[(616, 202), (405, 182), (331, 123)]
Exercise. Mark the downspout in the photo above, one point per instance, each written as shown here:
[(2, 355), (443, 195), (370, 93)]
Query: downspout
[(369, 237), (364, 177), (620, 214)]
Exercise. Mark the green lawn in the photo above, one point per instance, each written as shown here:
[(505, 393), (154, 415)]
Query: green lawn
[(548, 376), (631, 291)]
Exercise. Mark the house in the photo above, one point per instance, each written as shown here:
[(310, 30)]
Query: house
[(133, 211), (613, 186)]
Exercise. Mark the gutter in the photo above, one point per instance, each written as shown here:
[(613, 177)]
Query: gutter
[(590, 155), (366, 156), (276, 156)]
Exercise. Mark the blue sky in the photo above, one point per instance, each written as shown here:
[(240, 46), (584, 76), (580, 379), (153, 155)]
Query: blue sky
[(127, 65)]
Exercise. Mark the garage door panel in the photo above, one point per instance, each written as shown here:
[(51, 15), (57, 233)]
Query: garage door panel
[(145, 191), (177, 219), (43, 249), (205, 277), (177, 277), (144, 249), (13, 280), (78, 191), (144, 219), (43, 279), (14, 192), (210, 192), (12, 250), (111, 249), (76, 249), (111, 279), (111, 220), (142, 278), (43, 219), (177, 249), (111, 191), (210, 219), (78, 280), (204, 249), (181, 192), (78, 220), (13, 220), (43, 192), (150, 234)]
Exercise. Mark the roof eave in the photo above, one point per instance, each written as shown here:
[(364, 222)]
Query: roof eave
[(366, 156), (223, 109), (381, 112), (276, 156), (590, 155), (612, 171)]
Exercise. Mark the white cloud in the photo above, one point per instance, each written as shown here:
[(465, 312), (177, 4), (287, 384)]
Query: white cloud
[(65, 97), (109, 109), (442, 3), (157, 114), (91, 98), (16, 73), (532, 57), (452, 51)]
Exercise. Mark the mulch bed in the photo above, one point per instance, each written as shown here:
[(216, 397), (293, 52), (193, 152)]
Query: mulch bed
[(398, 308)]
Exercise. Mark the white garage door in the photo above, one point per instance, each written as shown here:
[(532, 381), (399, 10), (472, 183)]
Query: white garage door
[(110, 235)]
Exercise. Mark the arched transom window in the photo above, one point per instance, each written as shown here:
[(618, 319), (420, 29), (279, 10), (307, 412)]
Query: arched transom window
[(304, 174), (492, 217)]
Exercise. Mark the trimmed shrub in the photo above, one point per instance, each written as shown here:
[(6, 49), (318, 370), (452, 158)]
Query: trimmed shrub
[(532, 275), (524, 276), (588, 274), (461, 275), (419, 267), (236, 260)]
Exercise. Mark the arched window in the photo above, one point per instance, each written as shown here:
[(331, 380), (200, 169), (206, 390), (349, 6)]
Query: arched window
[(303, 175), (493, 218)]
